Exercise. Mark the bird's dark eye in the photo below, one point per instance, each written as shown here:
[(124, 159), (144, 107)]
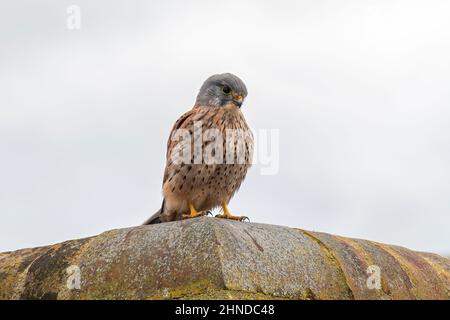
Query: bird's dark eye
[(226, 90)]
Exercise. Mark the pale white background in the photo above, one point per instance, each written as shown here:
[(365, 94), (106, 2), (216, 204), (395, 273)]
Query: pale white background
[(360, 91)]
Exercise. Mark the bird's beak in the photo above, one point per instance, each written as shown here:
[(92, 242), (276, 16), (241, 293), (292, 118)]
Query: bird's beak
[(238, 100)]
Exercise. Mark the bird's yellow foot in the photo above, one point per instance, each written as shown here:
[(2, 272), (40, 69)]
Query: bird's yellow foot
[(194, 213), (227, 215)]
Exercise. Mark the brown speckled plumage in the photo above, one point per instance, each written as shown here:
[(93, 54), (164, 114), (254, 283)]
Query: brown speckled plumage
[(206, 185)]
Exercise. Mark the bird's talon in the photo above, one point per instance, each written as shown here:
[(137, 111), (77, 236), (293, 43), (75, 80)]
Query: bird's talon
[(227, 215), (194, 213), (230, 217)]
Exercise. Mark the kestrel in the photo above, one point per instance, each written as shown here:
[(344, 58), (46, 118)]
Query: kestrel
[(209, 152)]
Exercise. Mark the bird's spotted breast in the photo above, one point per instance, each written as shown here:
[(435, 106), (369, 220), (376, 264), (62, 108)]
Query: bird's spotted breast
[(209, 184)]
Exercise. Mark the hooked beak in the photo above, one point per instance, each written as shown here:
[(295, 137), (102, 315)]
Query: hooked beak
[(238, 100)]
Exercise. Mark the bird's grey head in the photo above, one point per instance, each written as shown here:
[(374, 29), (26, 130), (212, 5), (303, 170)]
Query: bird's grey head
[(220, 90)]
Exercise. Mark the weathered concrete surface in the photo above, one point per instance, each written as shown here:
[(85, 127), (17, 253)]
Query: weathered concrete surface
[(209, 258)]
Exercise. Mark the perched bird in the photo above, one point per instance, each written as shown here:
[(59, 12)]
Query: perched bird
[(206, 167)]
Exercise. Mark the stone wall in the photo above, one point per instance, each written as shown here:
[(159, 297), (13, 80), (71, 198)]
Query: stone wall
[(210, 258)]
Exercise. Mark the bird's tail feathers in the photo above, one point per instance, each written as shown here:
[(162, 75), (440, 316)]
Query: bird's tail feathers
[(156, 217)]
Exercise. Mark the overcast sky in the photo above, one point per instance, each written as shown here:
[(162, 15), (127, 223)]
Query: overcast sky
[(359, 91)]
